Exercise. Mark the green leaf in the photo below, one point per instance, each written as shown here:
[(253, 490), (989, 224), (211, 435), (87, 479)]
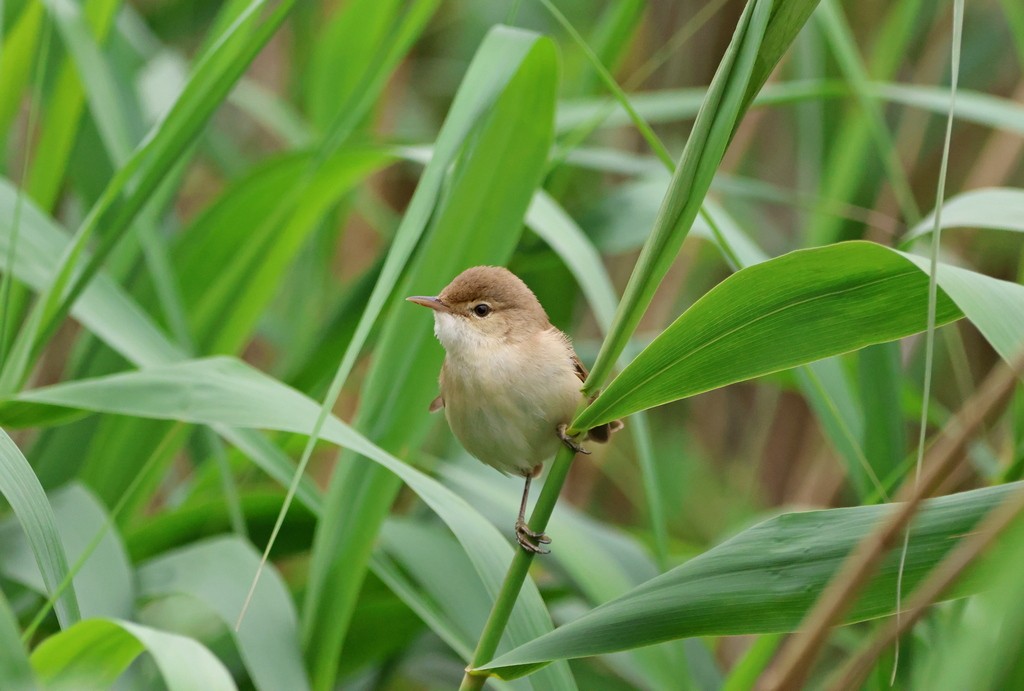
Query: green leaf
[(94, 653), (130, 189), (60, 120), (225, 391), (15, 671), (216, 572), (787, 19), (762, 581), (108, 311), (231, 262), (105, 583), (788, 311), (21, 488), (105, 308), (16, 62), (987, 302), (994, 208)]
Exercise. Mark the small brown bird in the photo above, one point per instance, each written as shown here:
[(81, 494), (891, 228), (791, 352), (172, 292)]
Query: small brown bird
[(511, 381)]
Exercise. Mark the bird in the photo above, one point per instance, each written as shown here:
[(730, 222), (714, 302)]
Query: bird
[(511, 382)]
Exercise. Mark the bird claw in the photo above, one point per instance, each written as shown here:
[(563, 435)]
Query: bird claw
[(569, 441), (531, 540)]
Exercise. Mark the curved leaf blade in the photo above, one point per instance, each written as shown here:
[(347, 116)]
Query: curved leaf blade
[(105, 582), (95, 652), (797, 308), (216, 572), (20, 486), (762, 581), (993, 208)]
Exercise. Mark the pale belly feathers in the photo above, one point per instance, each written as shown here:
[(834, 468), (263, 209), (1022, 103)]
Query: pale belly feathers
[(505, 404)]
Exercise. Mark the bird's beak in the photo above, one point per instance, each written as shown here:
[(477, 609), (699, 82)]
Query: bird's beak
[(433, 303)]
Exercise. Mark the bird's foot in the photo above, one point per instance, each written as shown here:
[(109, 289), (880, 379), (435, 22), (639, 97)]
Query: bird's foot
[(569, 441), (531, 540)]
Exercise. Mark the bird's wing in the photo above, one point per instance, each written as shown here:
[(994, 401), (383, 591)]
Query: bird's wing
[(437, 404), (601, 433), (578, 367)]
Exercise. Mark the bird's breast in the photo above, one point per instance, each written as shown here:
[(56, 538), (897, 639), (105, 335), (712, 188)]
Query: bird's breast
[(505, 403)]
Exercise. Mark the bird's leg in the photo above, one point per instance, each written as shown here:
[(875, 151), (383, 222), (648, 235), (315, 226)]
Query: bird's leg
[(569, 441), (529, 539)]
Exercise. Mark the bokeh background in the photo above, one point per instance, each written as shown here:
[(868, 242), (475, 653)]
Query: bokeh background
[(265, 235)]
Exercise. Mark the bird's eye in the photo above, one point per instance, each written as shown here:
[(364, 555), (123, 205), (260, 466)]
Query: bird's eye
[(482, 310)]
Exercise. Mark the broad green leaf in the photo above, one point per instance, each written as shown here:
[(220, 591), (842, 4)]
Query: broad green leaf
[(94, 653), (762, 581), (216, 572), (32, 509), (15, 671), (996, 208), (989, 303), (105, 582), (788, 311), (224, 391)]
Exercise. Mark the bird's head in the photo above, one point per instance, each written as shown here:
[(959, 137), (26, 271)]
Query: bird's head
[(484, 307)]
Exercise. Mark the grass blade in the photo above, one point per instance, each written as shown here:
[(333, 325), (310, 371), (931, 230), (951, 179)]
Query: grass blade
[(14, 665), (19, 486), (224, 391), (93, 654), (760, 581), (216, 572)]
